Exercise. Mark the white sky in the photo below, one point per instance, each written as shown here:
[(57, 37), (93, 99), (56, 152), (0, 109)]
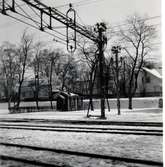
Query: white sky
[(114, 12)]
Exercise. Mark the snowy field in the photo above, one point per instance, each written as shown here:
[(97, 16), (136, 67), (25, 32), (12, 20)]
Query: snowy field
[(119, 145), (127, 146), (136, 115)]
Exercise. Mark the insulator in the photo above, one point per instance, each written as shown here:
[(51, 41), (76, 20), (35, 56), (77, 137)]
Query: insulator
[(71, 20)]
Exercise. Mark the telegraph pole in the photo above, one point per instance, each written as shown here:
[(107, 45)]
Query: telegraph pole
[(102, 40), (116, 50), (69, 19)]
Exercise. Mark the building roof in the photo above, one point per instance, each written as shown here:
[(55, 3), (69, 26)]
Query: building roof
[(154, 72)]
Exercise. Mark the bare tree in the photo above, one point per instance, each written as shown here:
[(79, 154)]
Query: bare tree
[(36, 65), (88, 52), (9, 69), (137, 40), (24, 53), (116, 65), (50, 58), (66, 71)]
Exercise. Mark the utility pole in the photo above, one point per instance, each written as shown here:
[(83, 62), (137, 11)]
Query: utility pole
[(102, 40), (116, 50), (10, 8)]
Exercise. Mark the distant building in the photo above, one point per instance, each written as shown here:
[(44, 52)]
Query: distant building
[(82, 87), (149, 82), (28, 90)]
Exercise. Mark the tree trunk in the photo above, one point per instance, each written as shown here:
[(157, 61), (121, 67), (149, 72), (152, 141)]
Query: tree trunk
[(50, 96), (117, 83), (9, 94), (21, 79), (37, 90), (109, 109), (9, 103), (130, 95), (90, 105), (50, 80), (36, 98), (91, 99), (18, 100), (130, 103), (19, 96), (118, 103), (91, 85)]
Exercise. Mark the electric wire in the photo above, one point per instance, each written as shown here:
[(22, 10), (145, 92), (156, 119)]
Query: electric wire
[(37, 23), (43, 21), (80, 19), (35, 12), (61, 40), (145, 19), (87, 3), (125, 30), (28, 16), (79, 3), (149, 18)]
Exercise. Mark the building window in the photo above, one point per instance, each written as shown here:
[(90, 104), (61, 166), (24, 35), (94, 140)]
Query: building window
[(148, 80)]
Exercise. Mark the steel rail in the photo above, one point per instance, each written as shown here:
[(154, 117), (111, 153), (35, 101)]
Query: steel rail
[(84, 122), (80, 127), (26, 161), (83, 130), (85, 154)]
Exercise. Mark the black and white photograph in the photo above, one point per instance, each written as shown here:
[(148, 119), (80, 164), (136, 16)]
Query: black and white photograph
[(81, 83)]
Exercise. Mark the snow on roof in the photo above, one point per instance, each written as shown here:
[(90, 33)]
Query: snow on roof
[(64, 93), (73, 94), (153, 72)]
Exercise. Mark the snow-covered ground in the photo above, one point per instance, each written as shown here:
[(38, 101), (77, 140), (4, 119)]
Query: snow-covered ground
[(138, 115), (127, 146), (120, 145)]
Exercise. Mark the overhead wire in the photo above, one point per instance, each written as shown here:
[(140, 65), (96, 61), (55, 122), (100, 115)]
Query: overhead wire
[(80, 19), (43, 21), (79, 3), (145, 19), (84, 2), (37, 23), (20, 5), (61, 40), (148, 18), (87, 2), (28, 16), (152, 45), (115, 31)]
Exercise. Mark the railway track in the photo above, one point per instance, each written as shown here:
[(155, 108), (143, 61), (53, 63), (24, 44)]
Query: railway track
[(39, 125), (84, 122), (32, 161), (25, 161), (84, 129)]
